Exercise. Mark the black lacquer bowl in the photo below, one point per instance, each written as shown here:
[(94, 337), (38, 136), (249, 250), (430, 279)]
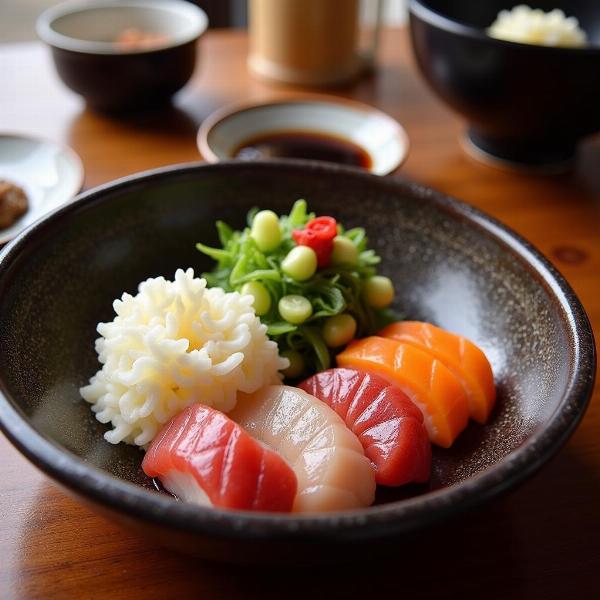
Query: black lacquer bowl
[(527, 105), (451, 265)]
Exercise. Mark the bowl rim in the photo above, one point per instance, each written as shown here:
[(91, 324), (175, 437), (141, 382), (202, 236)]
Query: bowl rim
[(419, 9), (46, 32), (216, 118), (381, 521)]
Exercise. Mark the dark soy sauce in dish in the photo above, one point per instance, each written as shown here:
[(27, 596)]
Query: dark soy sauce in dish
[(303, 144)]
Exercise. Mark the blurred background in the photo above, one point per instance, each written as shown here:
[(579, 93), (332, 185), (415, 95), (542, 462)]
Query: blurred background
[(17, 17)]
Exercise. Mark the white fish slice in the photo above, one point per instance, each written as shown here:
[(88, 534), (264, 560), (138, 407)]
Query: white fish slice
[(332, 470)]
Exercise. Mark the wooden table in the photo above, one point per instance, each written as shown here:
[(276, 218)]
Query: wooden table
[(543, 541)]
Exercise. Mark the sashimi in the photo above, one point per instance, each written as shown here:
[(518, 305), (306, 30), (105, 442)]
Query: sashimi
[(202, 456), (388, 425), (461, 356), (332, 470), (423, 378)]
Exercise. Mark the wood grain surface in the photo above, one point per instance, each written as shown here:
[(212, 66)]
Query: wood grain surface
[(542, 541)]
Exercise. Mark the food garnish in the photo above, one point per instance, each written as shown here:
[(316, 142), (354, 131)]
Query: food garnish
[(314, 284), (318, 234), (173, 344)]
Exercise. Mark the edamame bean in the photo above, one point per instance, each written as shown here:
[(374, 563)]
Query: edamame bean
[(294, 308), (339, 330), (300, 263), (296, 367), (265, 230), (344, 252), (262, 298), (378, 291)]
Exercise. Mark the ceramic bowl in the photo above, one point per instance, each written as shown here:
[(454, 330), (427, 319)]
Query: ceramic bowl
[(49, 173), (382, 138), (451, 264), (526, 105), (112, 77)]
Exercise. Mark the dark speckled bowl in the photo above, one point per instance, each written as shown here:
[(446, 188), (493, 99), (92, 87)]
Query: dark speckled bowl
[(451, 264)]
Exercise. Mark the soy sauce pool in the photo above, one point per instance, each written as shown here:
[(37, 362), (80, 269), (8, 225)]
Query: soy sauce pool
[(304, 144)]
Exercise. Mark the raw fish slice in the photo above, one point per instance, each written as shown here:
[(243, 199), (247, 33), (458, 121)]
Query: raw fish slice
[(388, 425), (461, 356), (202, 456), (332, 470), (424, 379)]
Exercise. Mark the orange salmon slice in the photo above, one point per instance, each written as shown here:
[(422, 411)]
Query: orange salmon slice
[(466, 361), (423, 378)]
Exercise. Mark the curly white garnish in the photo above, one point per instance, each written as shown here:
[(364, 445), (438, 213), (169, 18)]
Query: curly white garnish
[(173, 344)]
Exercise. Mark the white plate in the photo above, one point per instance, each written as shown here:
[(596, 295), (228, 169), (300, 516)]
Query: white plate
[(50, 174), (383, 138)]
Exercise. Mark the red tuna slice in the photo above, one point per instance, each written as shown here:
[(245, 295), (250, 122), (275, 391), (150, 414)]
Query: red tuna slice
[(387, 423), (202, 456)]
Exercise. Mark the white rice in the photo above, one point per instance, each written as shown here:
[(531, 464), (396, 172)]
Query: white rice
[(173, 344), (534, 26)]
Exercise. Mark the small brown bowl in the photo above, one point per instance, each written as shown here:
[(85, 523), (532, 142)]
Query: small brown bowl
[(119, 76), (451, 264)]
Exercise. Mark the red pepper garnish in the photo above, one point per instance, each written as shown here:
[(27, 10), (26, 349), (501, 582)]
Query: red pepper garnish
[(324, 227), (318, 235)]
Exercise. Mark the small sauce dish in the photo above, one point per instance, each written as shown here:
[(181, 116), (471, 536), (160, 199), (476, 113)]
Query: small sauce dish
[(50, 175), (314, 127)]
